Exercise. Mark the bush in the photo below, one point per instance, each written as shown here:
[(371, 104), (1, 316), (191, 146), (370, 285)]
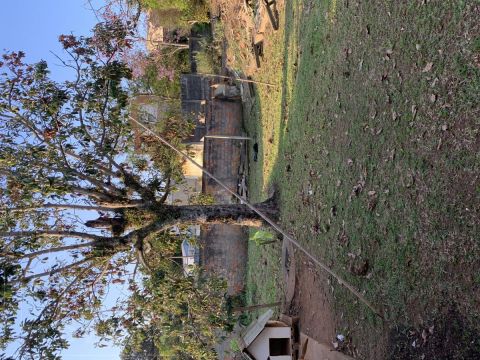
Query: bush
[(178, 13), (209, 60), (161, 75)]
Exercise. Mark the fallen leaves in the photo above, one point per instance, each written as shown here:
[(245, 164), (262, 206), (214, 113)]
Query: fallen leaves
[(343, 238), (409, 179), (372, 200), (414, 112), (357, 189), (358, 266), (428, 67), (394, 115)]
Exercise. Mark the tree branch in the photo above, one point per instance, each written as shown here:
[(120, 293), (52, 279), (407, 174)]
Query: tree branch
[(52, 233), (52, 306), (53, 250), (100, 167), (98, 195), (99, 276), (105, 207), (167, 191), (95, 182), (119, 242), (55, 271)]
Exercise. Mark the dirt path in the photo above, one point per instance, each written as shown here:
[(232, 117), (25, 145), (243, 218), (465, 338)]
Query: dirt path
[(312, 302)]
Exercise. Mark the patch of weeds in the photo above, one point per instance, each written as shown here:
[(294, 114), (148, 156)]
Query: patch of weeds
[(262, 237), (235, 346), (263, 283)]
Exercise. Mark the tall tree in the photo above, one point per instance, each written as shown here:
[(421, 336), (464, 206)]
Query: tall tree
[(77, 204)]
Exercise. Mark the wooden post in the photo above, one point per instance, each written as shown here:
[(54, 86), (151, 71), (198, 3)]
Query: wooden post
[(256, 307), (235, 79), (232, 137)]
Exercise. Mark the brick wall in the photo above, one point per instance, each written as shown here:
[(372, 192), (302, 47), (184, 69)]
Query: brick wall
[(222, 157), (224, 252), (224, 247)]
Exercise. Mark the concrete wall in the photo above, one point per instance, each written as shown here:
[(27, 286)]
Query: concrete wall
[(224, 246)]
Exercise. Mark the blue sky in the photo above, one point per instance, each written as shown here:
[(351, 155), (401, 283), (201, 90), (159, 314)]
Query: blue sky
[(33, 26)]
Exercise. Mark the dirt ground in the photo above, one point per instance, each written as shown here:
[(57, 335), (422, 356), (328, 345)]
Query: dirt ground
[(242, 24), (312, 302)]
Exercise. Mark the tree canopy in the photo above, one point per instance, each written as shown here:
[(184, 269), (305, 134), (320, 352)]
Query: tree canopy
[(78, 203)]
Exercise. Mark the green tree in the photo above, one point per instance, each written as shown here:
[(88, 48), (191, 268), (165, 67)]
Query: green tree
[(70, 186), (179, 13), (182, 316), (140, 345)]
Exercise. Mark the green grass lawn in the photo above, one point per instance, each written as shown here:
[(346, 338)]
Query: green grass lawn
[(264, 277), (372, 138)]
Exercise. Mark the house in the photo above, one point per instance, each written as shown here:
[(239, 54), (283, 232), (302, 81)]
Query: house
[(223, 248), (192, 177), (217, 110), (267, 339), (190, 256), (151, 111)]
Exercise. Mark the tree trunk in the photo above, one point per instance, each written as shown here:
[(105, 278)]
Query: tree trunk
[(234, 214)]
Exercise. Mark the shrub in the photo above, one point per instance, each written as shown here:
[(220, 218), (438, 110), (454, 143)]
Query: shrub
[(178, 13)]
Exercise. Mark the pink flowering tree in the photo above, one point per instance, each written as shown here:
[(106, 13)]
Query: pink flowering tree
[(161, 65)]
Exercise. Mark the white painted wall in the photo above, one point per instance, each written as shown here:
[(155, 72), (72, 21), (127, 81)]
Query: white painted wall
[(259, 348)]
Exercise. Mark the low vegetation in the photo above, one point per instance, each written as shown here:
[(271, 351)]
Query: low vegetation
[(372, 139), (178, 13)]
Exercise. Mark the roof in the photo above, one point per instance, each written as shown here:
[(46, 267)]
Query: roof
[(255, 328)]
